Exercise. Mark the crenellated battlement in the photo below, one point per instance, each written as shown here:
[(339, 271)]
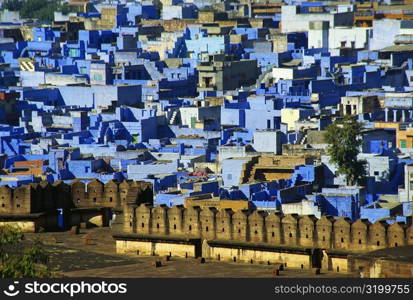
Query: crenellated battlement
[(44, 196), (260, 227)]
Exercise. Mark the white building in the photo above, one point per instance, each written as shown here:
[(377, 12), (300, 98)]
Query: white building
[(294, 21), (268, 141)]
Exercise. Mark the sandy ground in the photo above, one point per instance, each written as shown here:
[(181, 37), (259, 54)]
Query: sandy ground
[(71, 256)]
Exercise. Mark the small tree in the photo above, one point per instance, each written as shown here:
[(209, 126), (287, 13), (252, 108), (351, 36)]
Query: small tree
[(343, 137), (12, 5), (17, 261)]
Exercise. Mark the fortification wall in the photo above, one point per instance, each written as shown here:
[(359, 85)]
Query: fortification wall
[(43, 197), (261, 228)]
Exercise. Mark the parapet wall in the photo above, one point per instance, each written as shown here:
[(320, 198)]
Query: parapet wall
[(43, 196), (259, 227)]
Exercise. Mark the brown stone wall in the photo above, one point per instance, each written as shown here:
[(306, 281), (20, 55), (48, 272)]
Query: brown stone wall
[(21, 203), (341, 235), (6, 199), (95, 193), (260, 227), (240, 226), (224, 224), (175, 220), (359, 235), (289, 230), (396, 235), (111, 195), (273, 229), (208, 223), (191, 222), (78, 190), (306, 226), (257, 232), (43, 196), (160, 224), (377, 235), (323, 235)]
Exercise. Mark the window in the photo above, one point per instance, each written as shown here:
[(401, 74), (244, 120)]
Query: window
[(97, 77), (74, 52), (229, 176), (403, 144), (411, 185)]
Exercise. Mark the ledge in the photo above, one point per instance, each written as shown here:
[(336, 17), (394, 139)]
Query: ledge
[(259, 246), (23, 217), (156, 238)]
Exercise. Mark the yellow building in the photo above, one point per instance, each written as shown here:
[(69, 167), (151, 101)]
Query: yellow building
[(291, 115), (404, 135)]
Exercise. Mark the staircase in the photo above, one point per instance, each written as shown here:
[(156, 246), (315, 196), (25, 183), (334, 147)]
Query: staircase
[(26, 64), (264, 77), (173, 119), (302, 140)]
